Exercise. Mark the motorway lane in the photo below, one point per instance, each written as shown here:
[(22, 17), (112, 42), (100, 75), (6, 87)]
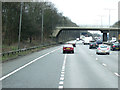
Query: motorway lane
[(83, 71), (11, 65), (43, 73), (110, 60)]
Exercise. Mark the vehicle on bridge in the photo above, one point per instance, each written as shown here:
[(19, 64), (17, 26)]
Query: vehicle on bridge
[(115, 46), (103, 49), (68, 48)]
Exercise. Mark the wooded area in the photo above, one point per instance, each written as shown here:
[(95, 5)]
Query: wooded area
[(31, 22)]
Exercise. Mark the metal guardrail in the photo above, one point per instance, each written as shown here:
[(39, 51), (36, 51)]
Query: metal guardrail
[(25, 49)]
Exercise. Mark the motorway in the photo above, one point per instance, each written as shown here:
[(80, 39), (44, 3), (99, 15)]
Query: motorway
[(50, 68)]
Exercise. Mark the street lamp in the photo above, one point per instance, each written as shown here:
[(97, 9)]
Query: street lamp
[(101, 16), (42, 32), (109, 18), (42, 25), (109, 14), (19, 36)]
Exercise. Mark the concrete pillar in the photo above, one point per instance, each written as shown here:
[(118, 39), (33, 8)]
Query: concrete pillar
[(57, 39), (104, 37)]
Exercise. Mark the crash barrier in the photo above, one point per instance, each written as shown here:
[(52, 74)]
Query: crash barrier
[(26, 49)]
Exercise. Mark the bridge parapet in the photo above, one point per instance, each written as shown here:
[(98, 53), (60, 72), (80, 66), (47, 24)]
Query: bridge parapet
[(102, 29)]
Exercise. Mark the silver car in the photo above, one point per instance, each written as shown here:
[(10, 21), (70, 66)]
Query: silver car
[(103, 49)]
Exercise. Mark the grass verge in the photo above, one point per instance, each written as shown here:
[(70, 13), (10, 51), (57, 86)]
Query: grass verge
[(13, 56)]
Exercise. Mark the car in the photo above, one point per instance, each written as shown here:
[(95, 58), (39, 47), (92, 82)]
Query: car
[(108, 42), (74, 44), (115, 46), (99, 42), (103, 49), (77, 39), (87, 40), (68, 48), (93, 45)]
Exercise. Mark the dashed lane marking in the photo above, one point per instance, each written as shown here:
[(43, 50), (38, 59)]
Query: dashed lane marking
[(60, 87), (104, 64), (61, 82), (61, 78), (62, 74), (96, 58)]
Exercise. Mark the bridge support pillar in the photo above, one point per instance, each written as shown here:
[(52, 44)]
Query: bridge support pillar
[(104, 35), (57, 39)]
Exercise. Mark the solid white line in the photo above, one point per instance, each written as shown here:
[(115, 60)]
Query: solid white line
[(116, 74), (63, 67), (2, 78)]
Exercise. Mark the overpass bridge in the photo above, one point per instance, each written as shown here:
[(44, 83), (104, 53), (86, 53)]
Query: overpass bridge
[(103, 30)]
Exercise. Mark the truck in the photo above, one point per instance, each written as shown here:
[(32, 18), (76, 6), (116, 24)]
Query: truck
[(87, 40)]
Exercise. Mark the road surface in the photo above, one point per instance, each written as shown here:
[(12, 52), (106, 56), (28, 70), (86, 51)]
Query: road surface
[(51, 68)]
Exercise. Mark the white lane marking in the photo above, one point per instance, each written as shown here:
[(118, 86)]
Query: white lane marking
[(62, 74), (96, 58), (63, 67), (60, 87), (4, 77), (63, 70), (61, 82), (117, 74), (61, 78), (104, 64)]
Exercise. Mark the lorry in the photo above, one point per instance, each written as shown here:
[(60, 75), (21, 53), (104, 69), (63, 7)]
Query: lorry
[(87, 40)]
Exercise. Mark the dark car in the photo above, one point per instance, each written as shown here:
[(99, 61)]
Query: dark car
[(115, 46), (93, 45), (99, 42), (74, 44)]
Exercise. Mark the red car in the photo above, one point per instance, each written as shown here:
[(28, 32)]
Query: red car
[(68, 48)]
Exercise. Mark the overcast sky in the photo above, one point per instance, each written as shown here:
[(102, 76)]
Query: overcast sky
[(88, 12)]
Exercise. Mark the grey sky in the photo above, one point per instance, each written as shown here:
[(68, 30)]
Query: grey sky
[(88, 12)]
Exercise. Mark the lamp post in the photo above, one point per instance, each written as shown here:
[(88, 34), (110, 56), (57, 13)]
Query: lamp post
[(101, 16), (42, 25), (42, 32), (109, 17), (19, 36)]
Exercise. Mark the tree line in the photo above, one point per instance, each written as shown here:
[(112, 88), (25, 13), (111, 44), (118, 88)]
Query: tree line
[(31, 26)]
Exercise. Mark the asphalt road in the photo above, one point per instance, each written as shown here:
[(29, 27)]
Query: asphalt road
[(51, 68)]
